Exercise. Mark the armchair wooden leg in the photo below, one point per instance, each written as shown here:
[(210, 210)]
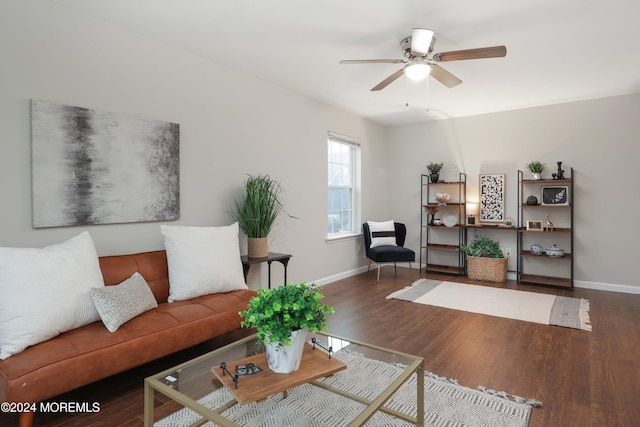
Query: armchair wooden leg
[(26, 419), (378, 279), (411, 272), (395, 269), (369, 267)]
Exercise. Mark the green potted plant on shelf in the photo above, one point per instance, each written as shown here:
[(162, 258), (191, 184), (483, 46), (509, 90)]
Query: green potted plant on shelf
[(535, 168), (485, 260), (282, 316), (532, 200), (434, 171), (257, 210)]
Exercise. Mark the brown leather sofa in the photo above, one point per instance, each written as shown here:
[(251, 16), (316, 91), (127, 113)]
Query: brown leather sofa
[(90, 353)]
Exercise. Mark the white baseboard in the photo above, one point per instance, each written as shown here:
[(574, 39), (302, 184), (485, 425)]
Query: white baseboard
[(511, 275), (610, 287)]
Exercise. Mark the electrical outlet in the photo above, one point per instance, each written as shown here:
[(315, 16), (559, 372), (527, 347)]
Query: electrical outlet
[(507, 252)]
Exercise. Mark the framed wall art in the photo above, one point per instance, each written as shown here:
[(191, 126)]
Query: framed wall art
[(556, 195), (94, 167), (492, 189)]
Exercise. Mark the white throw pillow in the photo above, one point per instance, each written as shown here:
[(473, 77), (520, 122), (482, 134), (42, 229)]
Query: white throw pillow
[(120, 303), (382, 233), (202, 260), (44, 292)]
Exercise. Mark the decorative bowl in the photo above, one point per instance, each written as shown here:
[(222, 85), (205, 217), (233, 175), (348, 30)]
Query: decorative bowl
[(537, 249), (555, 252)]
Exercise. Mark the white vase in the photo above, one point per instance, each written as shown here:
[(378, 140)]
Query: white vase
[(284, 360), (535, 176)]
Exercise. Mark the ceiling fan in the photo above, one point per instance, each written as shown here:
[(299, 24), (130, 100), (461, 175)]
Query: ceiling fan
[(418, 65)]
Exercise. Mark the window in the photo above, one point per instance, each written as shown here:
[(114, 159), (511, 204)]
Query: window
[(343, 154)]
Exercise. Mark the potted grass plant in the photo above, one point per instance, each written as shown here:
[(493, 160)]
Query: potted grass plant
[(536, 169), (257, 210), (282, 316), (485, 260)]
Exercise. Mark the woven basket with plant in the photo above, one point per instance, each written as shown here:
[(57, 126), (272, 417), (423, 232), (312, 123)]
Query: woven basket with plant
[(485, 260)]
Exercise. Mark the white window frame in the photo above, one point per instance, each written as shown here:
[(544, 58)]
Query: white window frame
[(356, 220)]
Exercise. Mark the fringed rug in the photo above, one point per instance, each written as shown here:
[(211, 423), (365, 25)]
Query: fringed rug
[(446, 403), (508, 303)]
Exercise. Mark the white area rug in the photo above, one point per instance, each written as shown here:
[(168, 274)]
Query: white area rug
[(446, 403), (507, 303)]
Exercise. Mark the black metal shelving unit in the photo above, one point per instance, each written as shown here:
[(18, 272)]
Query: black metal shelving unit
[(440, 245), (543, 269)]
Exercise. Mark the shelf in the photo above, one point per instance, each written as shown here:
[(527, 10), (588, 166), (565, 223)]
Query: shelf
[(524, 205), (446, 269), (545, 257), (491, 227), (555, 230), (547, 181), (546, 280), (441, 247), (436, 205), (443, 182), (443, 227)]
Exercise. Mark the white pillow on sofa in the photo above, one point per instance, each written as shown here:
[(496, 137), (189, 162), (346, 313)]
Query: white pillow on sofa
[(120, 303), (202, 260), (44, 292)]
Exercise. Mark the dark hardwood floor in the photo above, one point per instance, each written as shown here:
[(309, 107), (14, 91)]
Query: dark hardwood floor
[(582, 378)]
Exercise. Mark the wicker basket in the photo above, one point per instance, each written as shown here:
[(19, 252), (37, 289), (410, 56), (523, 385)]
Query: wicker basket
[(488, 269)]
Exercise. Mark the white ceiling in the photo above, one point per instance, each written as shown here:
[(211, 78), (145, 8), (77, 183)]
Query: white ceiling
[(557, 50)]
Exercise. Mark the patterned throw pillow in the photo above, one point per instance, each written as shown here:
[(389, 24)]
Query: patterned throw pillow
[(382, 233), (121, 303)]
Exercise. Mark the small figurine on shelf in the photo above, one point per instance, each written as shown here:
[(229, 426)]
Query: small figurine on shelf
[(549, 223), (560, 173)]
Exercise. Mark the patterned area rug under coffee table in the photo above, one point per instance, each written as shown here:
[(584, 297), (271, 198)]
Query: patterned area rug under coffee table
[(507, 303), (446, 402)]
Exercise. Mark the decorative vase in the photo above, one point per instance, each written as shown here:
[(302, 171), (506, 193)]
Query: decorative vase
[(434, 177), (286, 359), (257, 247), (535, 176)]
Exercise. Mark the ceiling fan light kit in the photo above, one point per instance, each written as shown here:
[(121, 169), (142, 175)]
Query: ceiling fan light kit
[(417, 71), (418, 65)]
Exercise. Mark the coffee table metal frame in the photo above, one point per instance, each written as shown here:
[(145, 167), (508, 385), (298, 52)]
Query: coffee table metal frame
[(154, 384)]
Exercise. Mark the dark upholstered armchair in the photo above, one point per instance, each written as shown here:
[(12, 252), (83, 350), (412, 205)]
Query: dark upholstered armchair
[(388, 253)]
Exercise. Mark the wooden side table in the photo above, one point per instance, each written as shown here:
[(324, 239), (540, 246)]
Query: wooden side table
[(282, 258)]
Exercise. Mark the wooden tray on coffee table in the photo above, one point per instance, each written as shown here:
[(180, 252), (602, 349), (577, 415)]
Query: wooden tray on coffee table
[(254, 388)]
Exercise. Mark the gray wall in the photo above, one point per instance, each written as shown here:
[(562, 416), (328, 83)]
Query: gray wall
[(600, 139), (231, 125)]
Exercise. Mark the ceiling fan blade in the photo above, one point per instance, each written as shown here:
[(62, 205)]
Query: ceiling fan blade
[(444, 77), (421, 41), (483, 52), (372, 61), (388, 80)]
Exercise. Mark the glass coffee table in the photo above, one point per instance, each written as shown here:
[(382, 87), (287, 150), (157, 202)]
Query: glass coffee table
[(340, 382)]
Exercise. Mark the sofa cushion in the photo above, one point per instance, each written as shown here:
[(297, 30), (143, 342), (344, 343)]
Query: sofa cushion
[(382, 233), (202, 260), (45, 292), (121, 303)]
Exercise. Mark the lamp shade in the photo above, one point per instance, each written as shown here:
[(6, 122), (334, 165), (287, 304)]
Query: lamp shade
[(417, 71)]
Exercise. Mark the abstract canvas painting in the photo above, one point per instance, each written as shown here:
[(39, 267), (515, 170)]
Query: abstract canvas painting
[(93, 167)]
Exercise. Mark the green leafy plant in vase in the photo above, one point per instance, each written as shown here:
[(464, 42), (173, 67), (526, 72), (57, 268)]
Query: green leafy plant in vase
[(536, 168), (257, 210), (434, 171), (282, 316)]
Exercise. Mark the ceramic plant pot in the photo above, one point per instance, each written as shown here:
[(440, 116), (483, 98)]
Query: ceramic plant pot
[(284, 360), (555, 252)]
